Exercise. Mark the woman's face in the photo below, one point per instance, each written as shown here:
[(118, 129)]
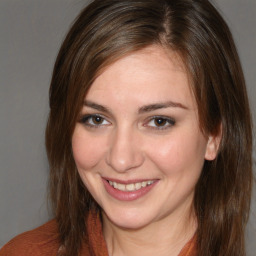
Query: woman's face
[(138, 146)]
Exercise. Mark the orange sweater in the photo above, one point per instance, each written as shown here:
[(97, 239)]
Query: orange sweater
[(43, 241)]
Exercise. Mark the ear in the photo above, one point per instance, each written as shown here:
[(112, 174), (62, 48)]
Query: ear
[(213, 145)]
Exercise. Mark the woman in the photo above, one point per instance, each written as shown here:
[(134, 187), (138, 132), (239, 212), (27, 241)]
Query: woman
[(149, 135)]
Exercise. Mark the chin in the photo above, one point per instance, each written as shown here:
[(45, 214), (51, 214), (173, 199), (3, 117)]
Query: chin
[(127, 219)]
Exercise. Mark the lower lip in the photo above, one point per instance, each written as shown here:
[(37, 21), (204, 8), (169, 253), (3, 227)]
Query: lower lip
[(127, 195)]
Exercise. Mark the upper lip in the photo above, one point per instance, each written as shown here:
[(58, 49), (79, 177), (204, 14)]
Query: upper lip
[(128, 181)]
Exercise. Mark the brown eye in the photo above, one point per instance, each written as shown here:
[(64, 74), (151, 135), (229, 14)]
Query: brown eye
[(97, 120), (160, 122), (94, 121)]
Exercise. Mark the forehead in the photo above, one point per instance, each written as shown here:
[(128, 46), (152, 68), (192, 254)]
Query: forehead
[(153, 74)]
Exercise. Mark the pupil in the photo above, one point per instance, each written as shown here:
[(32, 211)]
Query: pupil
[(97, 120), (160, 122)]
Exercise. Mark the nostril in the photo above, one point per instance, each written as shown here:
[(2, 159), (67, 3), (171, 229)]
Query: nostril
[(124, 152), (124, 160)]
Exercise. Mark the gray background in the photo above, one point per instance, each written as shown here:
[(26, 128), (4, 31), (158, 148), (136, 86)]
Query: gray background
[(31, 32)]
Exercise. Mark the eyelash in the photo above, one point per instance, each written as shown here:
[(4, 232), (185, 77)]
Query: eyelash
[(168, 122), (85, 120)]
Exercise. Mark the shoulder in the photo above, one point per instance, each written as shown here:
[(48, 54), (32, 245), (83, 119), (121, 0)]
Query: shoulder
[(40, 241)]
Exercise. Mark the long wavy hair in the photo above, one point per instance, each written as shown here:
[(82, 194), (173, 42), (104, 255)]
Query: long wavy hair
[(107, 30)]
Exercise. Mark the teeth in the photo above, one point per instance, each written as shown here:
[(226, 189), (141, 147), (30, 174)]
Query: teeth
[(137, 186), (121, 187), (130, 187), (144, 184)]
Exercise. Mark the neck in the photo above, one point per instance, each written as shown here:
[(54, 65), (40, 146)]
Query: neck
[(164, 237)]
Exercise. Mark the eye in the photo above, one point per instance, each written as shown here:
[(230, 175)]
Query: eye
[(159, 122), (94, 121)]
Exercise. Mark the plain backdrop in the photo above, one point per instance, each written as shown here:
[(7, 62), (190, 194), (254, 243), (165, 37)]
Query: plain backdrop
[(31, 32)]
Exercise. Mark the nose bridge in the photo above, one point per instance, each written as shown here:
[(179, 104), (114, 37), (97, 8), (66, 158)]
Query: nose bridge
[(124, 152)]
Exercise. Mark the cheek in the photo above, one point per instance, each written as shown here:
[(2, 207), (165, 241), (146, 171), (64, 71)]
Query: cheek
[(86, 151), (179, 154)]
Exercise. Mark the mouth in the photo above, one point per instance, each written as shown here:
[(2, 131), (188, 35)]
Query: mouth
[(130, 187), (128, 190)]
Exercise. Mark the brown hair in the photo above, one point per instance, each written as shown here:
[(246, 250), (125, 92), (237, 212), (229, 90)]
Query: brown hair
[(104, 32)]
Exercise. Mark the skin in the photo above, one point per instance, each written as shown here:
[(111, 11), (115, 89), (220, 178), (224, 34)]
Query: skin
[(126, 143)]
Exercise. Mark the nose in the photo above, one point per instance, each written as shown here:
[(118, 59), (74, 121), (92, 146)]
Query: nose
[(124, 151)]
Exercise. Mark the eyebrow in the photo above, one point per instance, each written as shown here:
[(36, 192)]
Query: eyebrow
[(156, 106), (143, 109), (96, 106)]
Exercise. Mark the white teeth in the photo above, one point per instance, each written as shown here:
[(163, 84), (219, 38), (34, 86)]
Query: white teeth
[(144, 184), (130, 187), (121, 187), (137, 186)]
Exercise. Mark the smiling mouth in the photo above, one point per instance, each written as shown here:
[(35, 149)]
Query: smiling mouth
[(130, 187)]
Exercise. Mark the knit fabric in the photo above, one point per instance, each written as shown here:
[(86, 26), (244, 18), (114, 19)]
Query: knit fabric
[(44, 241)]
